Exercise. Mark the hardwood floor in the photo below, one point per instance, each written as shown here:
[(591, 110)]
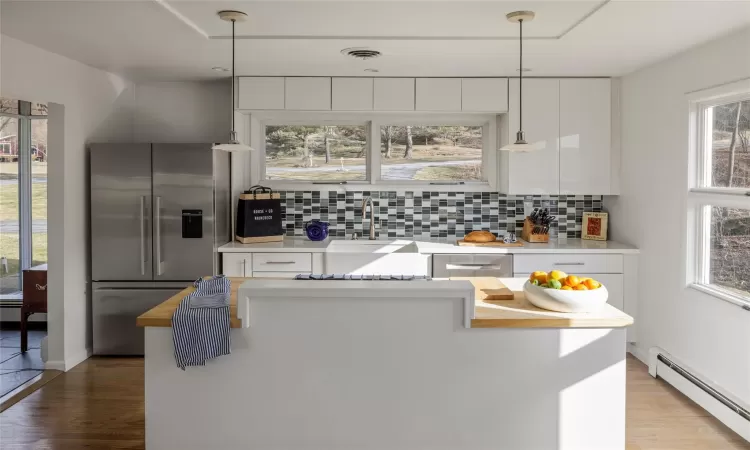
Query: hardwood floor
[(99, 405)]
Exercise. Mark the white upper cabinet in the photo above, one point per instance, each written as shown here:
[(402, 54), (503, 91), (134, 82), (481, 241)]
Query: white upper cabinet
[(585, 136), (308, 93), (535, 172), (438, 94), (260, 93), (394, 94), (484, 95), (352, 94)]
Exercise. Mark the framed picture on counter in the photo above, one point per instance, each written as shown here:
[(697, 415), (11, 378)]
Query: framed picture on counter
[(594, 226)]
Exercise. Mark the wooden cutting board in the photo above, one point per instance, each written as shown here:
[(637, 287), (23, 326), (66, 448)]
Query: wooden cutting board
[(497, 243), (488, 288)]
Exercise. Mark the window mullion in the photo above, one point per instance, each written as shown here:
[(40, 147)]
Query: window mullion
[(24, 192), (373, 160)]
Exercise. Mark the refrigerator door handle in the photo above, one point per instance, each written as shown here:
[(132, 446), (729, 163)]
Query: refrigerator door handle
[(143, 236), (157, 219)]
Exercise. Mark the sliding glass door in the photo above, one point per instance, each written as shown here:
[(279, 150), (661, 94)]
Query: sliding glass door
[(23, 192)]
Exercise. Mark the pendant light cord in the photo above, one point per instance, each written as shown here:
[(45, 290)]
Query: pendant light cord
[(234, 133), (520, 78)]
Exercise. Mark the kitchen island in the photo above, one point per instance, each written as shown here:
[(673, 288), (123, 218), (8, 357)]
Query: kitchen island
[(391, 365)]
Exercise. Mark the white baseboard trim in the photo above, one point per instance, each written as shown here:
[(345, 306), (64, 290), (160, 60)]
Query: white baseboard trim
[(716, 408), (638, 352), (69, 363), (55, 365)]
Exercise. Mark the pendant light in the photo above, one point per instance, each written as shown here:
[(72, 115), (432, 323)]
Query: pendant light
[(520, 145), (233, 145)]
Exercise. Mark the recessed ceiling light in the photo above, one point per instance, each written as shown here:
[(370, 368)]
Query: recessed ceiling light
[(372, 70), (220, 69)]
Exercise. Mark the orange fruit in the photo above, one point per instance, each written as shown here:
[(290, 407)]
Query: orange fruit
[(540, 276), (580, 287), (591, 283), (566, 288), (572, 281)]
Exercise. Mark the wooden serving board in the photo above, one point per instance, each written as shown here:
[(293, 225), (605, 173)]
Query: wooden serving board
[(497, 243), (488, 288)]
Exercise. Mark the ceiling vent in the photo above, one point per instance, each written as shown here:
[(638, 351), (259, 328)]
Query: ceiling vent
[(363, 53)]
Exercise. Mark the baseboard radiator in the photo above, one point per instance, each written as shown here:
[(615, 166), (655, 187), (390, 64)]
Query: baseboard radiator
[(729, 411)]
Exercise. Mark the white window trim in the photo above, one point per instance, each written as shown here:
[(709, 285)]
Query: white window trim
[(700, 197), (260, 119)]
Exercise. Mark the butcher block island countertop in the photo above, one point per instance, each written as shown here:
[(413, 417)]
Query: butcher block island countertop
[(516, 313)]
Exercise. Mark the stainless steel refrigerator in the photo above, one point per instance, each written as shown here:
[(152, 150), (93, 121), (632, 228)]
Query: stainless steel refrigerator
[(159, 212)]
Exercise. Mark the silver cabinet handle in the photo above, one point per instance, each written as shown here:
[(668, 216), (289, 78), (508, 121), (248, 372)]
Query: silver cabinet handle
[(569, 264), (244, 268), (473, 266), (143, 236), (280, 262), (157, 219)]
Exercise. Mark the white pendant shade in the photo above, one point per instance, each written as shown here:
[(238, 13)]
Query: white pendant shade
[(233, 147), (519, 147)]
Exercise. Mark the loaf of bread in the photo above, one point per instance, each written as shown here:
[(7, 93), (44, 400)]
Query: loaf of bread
[(480, 236)]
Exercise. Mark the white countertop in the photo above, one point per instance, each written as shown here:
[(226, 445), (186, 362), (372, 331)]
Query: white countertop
[(429, 246)]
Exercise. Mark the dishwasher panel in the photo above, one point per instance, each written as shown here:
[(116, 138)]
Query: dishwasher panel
[(472, 265)]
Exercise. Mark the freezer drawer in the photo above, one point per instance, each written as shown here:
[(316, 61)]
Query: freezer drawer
[(114, 311)]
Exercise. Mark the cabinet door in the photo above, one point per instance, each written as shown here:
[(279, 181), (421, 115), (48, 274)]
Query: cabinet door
[(535, 172), (394, 94), (236, 264), (585, 136), (614, 284), (308, 93), (351, 94), (484, 94), (260, 93), (438, 94)]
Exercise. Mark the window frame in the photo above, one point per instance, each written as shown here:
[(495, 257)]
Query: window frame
[(373, 121), (701, 197)]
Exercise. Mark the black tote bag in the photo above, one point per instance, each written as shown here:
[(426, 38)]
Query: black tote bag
[(259, 216)]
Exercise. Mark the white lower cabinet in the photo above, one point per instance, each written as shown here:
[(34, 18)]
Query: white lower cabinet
[(237, 264), (271, 265)]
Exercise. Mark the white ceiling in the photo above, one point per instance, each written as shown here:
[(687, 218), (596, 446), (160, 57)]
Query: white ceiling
[(183, 40)]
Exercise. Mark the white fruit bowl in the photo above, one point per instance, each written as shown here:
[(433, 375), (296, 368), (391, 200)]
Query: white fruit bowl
[(566, 301)]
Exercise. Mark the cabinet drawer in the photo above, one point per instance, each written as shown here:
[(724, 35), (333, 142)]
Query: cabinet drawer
[(567, 262), (289, 275), (282, 262)]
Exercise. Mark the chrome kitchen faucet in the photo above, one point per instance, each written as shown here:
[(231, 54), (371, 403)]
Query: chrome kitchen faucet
[(372, 215)]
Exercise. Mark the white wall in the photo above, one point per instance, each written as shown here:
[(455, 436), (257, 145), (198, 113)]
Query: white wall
[(190, 112), (709, 335), (86, 105)]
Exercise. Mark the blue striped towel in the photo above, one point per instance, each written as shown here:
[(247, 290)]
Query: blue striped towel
[(200, 325)]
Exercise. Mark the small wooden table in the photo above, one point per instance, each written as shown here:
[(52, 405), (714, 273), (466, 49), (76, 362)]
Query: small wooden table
[(34, 298)]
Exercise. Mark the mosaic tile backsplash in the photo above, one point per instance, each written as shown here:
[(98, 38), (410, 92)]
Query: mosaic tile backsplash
[(430, 214)]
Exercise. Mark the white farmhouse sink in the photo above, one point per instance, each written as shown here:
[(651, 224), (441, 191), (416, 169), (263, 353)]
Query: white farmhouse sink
[(367, 246), (398, 257)]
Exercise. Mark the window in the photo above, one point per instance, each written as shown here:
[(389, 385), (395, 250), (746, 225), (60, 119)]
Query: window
[(23, 192), (376, 150), (720, 196), (431, 153), (320, 153)]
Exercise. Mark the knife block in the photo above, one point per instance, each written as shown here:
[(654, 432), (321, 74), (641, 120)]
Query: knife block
[(527, 236)]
